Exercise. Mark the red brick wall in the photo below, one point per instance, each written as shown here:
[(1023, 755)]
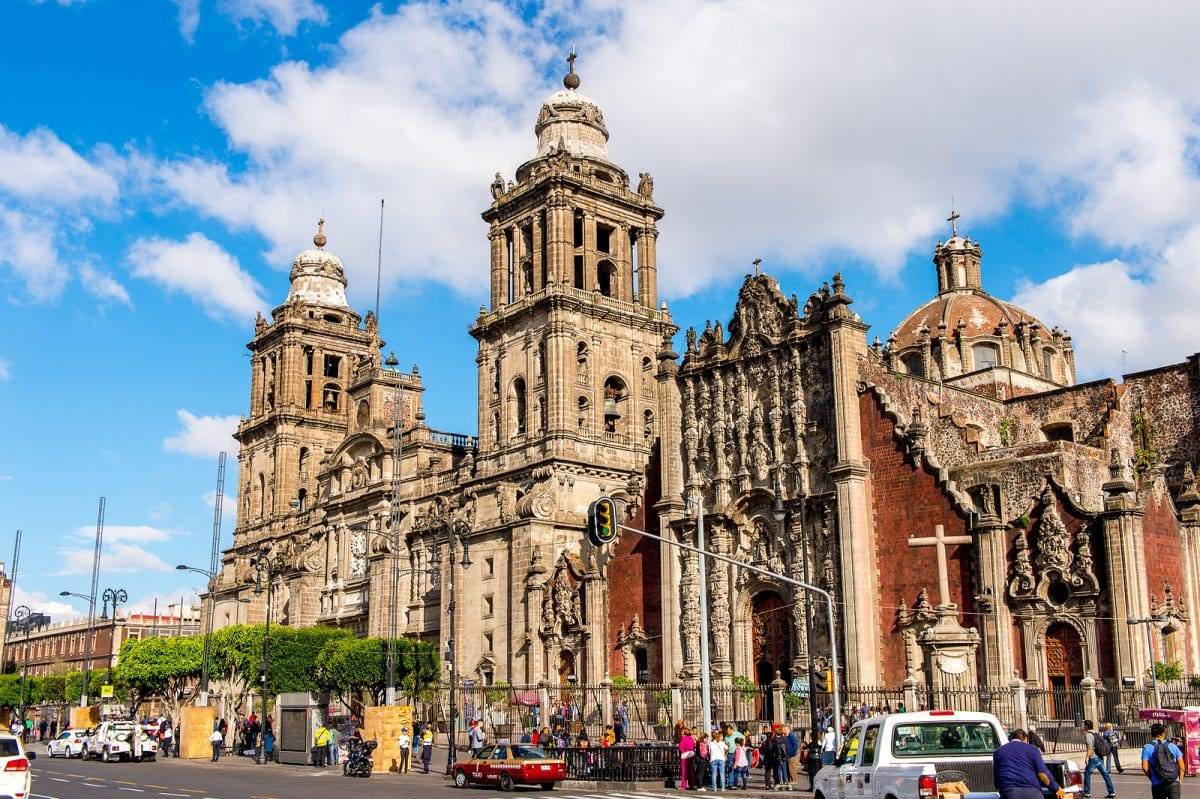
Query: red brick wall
[(634, 584), (907, 501), (1164, 555)]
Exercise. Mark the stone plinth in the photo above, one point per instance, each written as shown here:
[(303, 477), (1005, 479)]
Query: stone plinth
[(195, 732), (383, 724)]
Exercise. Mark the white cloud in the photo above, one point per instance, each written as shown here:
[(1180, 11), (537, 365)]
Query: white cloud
[(189, 19), (284, 16), (29, 248), (120, 556), (199, 268), (40, 167), (165, 600), (139, 533), (40, 602), (102, 285), (202, 436), (228, 504)]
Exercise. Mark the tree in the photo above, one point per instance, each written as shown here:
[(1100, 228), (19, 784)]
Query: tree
[(74, 684), (357, 667), (51, 689), (164, 667), (236, 654), (10, 691)]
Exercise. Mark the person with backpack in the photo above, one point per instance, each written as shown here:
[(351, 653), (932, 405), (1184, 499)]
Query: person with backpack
[(1114, 743), (1097, 753), (1162, 762)]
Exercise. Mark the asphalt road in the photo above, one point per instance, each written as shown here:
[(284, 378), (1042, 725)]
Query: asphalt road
[(238, 778)]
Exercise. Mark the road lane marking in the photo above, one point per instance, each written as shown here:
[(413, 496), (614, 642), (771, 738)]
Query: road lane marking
[(134, 790), (42, 796), (59, 779), (126, 782), (93, 785), (164, 793)]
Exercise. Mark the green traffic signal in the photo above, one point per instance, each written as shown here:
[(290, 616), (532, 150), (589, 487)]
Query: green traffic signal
[(602, 522)]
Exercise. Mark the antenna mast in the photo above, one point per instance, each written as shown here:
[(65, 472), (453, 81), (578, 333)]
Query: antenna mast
[(379, 262)]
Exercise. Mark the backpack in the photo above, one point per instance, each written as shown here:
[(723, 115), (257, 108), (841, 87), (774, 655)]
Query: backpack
[(1165, 764), (1100, 746)]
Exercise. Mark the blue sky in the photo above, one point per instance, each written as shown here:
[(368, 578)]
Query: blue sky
[(162, 161)]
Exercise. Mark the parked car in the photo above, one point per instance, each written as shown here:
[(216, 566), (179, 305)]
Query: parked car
[(113, 740), (69, 743), (509, 765), (908, 755), (15, 779)]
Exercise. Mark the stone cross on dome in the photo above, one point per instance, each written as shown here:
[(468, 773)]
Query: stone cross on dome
[(757, 266), (953, 220), (940, 540), (571, 80), (319, 239)]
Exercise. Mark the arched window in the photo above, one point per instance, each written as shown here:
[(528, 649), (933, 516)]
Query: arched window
[(303, 464), (527, 277), (615, 397), (584, 412), (262, 494), (986, 355), (581, 361), (519, 402), (496, 377), (648, 426), (302, 500), (606, 278), (914, 364), (331, 396), (1059, 431), (647, 376)]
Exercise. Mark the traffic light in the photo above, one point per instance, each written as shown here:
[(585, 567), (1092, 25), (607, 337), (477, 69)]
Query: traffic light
[(828, 681), (602, 522)]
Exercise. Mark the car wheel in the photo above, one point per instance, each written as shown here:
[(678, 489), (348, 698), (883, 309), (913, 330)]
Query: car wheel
[(460, 779), (506, 782), (104, 758), (83, 753), (547, 786)]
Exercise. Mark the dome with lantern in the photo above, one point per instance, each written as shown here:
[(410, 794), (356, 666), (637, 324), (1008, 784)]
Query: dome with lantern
[(571, 121), (318, 277)]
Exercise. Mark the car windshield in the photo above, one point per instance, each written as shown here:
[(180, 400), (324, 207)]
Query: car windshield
[(528, 753), (949, 737)]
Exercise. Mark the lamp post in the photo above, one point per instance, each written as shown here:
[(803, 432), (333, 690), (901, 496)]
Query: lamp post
[(265, 566), (115, 596), (457, 530), (1148, 621), (87, 661), (781, 515), (394, 582), (202, 689), (21, 618)]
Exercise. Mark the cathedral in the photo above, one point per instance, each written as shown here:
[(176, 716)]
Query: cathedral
[(977, 515)]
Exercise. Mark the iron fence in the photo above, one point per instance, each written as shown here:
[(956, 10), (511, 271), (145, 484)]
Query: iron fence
[(645, 763)]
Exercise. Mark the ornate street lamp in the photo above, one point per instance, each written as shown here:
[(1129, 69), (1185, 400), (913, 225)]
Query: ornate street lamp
[(781, 515), (457, 533), (114, 596), (266, 566)]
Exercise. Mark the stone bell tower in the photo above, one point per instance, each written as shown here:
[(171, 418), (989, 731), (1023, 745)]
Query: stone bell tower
[(567, 350), (303, 364)]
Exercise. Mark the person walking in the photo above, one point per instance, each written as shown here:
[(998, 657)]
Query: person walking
[(1097, 749), (1162, 763), (1019, 771), (828, 746), (53, 728), (217, 740), (1114, 742), (43, 726), (166, 736), (426, 749), (781, 758), (404, 743), (811, 753), (321, 746), (716, 760), (475, 738), (701, 772), (792, 738), (687, 751), (741, 766)]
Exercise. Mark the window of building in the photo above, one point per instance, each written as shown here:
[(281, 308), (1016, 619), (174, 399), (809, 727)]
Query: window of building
[(577, 231), (584, 411), (519, 406), (489, 567), (648, 426), (1059, 431), (487, 642), (579, 272), (606, 278), (604, 238), (488, 605), (489, 677), (615, 396), (333, 366), (914, 364), (331, 397), (986, 356), (308, 361), (641, 660)]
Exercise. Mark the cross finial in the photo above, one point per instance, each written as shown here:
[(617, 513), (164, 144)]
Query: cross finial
[(571, 80), (319, 239), (571, 59), (953, 219), (757, 266)]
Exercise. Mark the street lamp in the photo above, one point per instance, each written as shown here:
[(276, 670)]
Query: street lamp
[(115, 596), (90, 643), (781, 515), (459, 529), (21, 619), (266, 566), (1148, 621)]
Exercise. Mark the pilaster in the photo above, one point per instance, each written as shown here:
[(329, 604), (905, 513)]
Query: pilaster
[(991, 544), (1125, 550)]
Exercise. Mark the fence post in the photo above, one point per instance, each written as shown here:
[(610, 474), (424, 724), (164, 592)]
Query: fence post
[(544, 701), (910, 694), (1020, 704), (606, 704), (1090, 706), (778, 707), (676, 700)]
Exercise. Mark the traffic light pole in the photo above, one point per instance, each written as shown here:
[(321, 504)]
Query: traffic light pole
[(833, 647)]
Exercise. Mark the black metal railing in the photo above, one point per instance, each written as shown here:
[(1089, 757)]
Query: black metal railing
[(645, 763)]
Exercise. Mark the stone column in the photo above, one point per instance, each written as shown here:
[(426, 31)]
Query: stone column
[(995, 621), (538, 237), (859, 578), (1189, 515), (1125, 551), (1090, 704), (1020, 703), (676, 699), (647, 242), (590, 280), (670, 506), (606, 703), (496, 238)]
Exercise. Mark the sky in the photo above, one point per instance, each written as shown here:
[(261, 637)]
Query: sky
[(162, 162)]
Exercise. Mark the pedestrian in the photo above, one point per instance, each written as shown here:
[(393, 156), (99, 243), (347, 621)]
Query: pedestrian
[(43, 726), (404, 744), (217, 740), (54, 728), (1036, 740), (687, 751), (792, 739), (426, 749), (781, 758), (269, 744), (716, 760), (701, 771), (828, 746), (1114, 743), (622, 720), (166, 736), (321, 746), (741, 766), (476, 739), (812, 758), (335, 739), (1096, 746), (1019, 771), (1162, 762)]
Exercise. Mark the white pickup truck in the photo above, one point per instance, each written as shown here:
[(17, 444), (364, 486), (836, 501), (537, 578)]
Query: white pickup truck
[(909, 755)]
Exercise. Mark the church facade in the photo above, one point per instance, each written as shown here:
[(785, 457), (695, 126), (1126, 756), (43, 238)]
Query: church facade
[(977, 515)]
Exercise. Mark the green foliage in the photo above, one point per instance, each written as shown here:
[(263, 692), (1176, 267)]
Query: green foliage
[(159, 666), (793, 701), (349, 666), (746, 687), (496, 695), (1006, 431), (1168, 672), (237, 656), (74, 684), (662, 698), (1144, 455), (10, 690), (51, 689)]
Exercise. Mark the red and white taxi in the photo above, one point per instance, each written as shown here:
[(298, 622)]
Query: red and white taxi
[(509, 765)]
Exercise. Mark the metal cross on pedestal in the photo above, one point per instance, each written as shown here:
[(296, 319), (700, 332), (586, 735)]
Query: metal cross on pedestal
[(757, 266), (940, 540), (953, 220)]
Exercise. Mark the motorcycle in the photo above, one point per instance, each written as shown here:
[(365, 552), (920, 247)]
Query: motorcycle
[(358, 762)]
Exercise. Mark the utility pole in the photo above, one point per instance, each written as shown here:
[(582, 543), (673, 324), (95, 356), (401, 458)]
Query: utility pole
[(705, 664), (202, 699), (90, 643), (12, 590)]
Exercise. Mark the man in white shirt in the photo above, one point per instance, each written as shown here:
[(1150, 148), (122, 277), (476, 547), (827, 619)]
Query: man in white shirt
[(828, 746)]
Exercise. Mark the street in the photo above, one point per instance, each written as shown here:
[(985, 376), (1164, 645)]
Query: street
[(239, 778)]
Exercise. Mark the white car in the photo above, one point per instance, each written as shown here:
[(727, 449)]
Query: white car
[(69, 743), (14, 767), (113, 740)]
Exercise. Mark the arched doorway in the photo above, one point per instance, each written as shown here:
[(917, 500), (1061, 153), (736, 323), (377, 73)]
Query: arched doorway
[(771, 644), (566, 667), (1064, 669)]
